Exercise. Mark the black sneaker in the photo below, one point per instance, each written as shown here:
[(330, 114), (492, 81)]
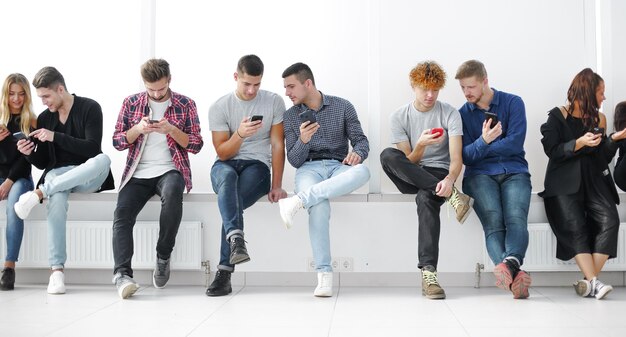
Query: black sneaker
[(7, 281), (221, 284), (238, 250)]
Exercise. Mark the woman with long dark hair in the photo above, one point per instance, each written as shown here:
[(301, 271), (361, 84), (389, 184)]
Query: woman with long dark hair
[(580, 197), (16, 115)]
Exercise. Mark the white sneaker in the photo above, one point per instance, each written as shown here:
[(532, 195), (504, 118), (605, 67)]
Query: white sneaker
[(288, 209), (324, 285), (25, 204), (57, 283), (125, 285), (600, 289)]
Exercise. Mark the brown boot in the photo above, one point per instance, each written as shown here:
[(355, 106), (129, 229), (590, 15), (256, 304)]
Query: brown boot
[(462, 204), (430, 286)]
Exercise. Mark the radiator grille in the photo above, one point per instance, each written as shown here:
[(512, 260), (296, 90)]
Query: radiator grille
[(89, 245)]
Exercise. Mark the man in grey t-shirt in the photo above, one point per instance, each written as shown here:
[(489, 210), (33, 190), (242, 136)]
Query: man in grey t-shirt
[(247, 131), (426, 161)]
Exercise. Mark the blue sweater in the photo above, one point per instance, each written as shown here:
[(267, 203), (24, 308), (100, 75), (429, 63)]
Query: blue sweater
[(505, 155)]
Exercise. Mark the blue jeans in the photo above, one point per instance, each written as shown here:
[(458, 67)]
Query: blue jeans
[(238, 184), (501, 203), (59, 183), (15, 225), (316, 183), (170, 186)]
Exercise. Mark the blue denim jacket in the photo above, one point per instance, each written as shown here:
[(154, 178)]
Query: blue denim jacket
[(505, 155)]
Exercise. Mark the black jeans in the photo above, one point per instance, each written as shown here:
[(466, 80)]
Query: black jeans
[(131, 199), (411, 178)]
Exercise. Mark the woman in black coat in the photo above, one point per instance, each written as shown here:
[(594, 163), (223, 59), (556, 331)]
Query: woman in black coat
[(620, 166), (580, 197)]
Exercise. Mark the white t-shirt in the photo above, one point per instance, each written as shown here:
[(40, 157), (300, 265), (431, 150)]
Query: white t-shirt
[(228, 111), (156, 158), (408, 123)]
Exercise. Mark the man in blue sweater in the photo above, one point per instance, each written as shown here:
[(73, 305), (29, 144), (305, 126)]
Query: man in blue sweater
[(496, 173)]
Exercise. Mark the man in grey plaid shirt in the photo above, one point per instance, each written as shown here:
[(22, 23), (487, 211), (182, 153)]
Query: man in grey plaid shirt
[(317, 130)]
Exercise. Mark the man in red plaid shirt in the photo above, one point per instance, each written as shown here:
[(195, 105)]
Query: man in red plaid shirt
[(158, 127)]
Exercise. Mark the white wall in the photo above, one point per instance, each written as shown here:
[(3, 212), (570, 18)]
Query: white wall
[(360, 50)]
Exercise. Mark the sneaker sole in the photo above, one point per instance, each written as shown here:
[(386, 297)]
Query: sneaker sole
[(211, 294), (240, 259), (434, 296), (582, 289), (282, 216), (128, 291), (469, 211), (604, 292), (503, 277), (20, 212), (520, 285)]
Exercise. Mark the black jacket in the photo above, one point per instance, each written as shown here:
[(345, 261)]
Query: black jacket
[(82, 138), (563, 174)]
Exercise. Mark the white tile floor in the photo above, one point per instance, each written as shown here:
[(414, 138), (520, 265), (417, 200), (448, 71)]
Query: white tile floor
[(95, 310)]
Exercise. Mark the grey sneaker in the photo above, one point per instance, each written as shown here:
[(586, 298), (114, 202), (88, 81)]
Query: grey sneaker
[(462, 204), (125, 285), (583, 288), (161, 273), (430, 286)]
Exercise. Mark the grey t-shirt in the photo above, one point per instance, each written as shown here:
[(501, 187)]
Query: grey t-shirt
[(228, 111), (407, 124)]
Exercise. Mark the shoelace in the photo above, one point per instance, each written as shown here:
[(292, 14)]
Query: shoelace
[(454, 199), (430, 277), (161, 268)]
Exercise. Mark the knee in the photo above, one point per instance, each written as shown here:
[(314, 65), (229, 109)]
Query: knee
[(389, 156), (223, 179), (102, 160), (362, 172)]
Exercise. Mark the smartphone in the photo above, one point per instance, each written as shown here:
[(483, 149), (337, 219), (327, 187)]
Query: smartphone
[(256, 118), (20, 135), (308, 115), (493, 117), (152, 121), (598, 131), (438, 132)]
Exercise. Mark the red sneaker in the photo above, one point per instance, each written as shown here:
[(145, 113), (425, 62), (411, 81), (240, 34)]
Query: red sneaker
[(504, 276), (520, 285)]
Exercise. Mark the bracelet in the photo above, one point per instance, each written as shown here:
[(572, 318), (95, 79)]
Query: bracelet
[(240, 136)]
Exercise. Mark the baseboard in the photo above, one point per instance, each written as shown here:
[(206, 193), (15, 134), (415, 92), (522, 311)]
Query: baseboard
[(287, 279)]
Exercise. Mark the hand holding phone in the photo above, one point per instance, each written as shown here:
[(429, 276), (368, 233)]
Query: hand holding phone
[(493, 117), (438, 132), (152, 121)]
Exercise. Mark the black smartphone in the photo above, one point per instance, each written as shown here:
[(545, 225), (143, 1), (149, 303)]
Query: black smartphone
[(493, 117), (20, 135), (308, 115), (598, 131), (152, 121), (256, 118)]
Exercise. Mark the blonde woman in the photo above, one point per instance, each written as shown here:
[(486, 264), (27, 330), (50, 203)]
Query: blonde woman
[(16, 115)]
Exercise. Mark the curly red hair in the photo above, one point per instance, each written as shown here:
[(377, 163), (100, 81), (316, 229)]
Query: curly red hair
[(428, 75)]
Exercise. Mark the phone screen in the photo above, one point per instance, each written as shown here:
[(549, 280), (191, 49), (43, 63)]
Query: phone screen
[(256, 118), (20, 135)]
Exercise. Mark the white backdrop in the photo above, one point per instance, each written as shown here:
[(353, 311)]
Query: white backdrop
[(360, 50)]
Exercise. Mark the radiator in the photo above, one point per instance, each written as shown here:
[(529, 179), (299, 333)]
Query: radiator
[(541, 253), (89, 245)]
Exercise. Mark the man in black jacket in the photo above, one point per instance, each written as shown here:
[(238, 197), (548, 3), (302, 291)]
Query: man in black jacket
[(67, 146)]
